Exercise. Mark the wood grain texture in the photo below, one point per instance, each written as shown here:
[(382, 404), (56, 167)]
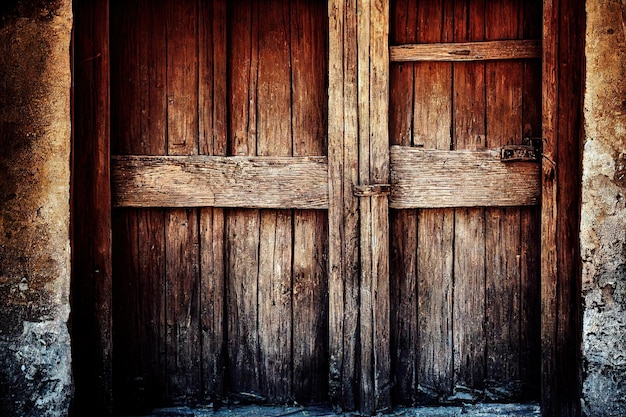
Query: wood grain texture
[(274, 137), (504, 126), (243, 226), (343, 205), (467, 51), (469, 241), (431, 178), (91, 286), (403, 223), (435, 280), (212, 120), (200, 181), (309, 66)]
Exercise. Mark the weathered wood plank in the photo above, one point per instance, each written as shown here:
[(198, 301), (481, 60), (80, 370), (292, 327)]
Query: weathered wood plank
[(467, 51), (435, 270), (212, 136), (469, 240), (152, 302), (469, 303), (181, 21), (343, 205), (503, 273), (530, 227), (431, 178), (274, 137), (309, 66), (433, 118), (182, 313), (243, 226), (403, 223), (196, 181), (274, 304), (183, 347), (242, 268), (366, 297)]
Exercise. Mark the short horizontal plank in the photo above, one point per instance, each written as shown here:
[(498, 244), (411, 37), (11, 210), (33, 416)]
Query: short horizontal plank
[(467, 51), (212, 181), (435, 179)]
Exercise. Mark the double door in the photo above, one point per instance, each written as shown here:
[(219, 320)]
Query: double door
[(325, 202)]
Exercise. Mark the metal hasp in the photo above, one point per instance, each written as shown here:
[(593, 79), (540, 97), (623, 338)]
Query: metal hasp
[(530, 151)]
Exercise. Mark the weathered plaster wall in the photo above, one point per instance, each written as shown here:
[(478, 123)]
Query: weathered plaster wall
[(603, 217), (35, 377)]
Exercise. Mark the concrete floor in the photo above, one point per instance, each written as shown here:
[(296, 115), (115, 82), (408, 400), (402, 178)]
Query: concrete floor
[(474, 410)]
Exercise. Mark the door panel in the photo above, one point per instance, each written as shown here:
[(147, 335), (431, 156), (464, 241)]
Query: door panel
[(464, 280), (214, 301)]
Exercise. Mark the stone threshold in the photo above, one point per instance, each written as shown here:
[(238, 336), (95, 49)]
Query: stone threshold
[(473, 410)]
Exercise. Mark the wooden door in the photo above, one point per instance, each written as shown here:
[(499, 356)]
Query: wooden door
[(251, 254), (219, 120), (465, 82)]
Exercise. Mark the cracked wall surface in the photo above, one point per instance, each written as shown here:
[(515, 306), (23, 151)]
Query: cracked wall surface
[(603, 216), (35, 131)]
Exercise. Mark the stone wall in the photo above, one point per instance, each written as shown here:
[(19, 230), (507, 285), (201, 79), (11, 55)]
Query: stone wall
[(35, 375), (603, 217)]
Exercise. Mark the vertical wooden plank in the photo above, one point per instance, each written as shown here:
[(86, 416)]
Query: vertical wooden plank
[(379, 173), (242, 232), (151, 302), (242, 226), (309, 63), (434, 266), (182, 77), (530, 227), (212, 136), (274, 304), (275, 139), (343, 221), (504, 126), (433, 112), (469, 240), (182, 226), (366, 296), (549, 206), (91, 213), (403, 284), (567, 380), (469, 303), (337, 266), (139, 111), (182, 305), (126, 311), (343, 205)]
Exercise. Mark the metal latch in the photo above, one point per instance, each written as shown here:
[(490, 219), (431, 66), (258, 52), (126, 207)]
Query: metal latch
[(529, 150)]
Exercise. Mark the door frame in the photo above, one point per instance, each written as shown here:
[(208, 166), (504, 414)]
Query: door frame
[(358, 112)]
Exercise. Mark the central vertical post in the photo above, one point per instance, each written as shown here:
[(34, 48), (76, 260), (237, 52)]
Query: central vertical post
[(358, 209)]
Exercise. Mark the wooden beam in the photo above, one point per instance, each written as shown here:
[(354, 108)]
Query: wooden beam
[(467, 51), (202, 181), (434, 178)]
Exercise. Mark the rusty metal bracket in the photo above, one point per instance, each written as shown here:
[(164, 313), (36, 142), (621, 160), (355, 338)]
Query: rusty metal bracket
[(371, 190), (529, 151)]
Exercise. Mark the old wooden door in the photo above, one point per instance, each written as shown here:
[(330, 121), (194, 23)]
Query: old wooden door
[(219, 114), (465, 286), (296, 217)]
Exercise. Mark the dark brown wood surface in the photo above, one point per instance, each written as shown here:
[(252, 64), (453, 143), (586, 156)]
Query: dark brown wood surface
[(473, 270), (275, 305), (214, 302), (91, 281)]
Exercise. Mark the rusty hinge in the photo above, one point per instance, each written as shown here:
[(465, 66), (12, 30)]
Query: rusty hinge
[(529, 150)]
